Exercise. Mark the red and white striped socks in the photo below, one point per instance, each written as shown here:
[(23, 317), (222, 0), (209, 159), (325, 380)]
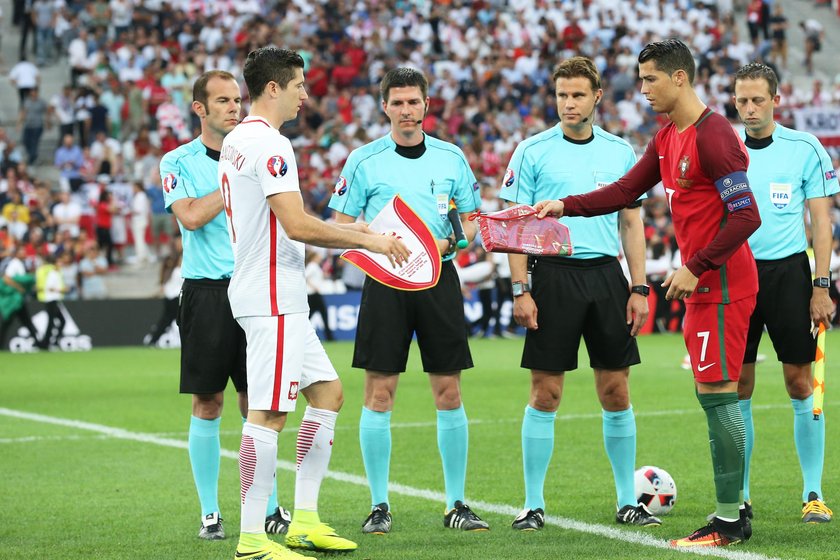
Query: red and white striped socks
[(257, 467), (314, 449)]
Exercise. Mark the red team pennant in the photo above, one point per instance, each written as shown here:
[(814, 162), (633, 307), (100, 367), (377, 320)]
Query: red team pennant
[(422, 270)]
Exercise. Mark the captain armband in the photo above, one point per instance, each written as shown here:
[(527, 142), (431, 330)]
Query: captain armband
[(735, 191)]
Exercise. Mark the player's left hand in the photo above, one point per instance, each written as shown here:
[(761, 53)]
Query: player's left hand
[(680, 283), (822, 308), (637, 312), (553, 208)]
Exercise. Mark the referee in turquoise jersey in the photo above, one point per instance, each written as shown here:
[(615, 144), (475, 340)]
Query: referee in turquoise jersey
[(582, 295), (787, 169), (427, 173), (212, 343)]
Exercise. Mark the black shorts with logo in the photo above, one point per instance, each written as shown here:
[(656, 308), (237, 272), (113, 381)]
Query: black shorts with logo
[(389, 318), (783, 305), (212, 342), (574, 298)]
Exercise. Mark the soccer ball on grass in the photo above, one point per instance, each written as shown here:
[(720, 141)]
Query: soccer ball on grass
[(655, 489)]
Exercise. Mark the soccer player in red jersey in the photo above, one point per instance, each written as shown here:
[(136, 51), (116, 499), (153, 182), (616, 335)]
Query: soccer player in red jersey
[(702, 164)]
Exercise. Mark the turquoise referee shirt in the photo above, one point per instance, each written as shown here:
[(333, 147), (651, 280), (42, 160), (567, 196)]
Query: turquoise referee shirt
[(191, 171), (551, 166), (374, 173), (783, 174)]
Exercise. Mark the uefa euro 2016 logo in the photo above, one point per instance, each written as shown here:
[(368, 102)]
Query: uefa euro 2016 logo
[(170, 182), (277, 166), (340, 186), (508, 180)]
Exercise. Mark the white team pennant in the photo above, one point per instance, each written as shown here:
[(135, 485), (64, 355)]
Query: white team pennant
[(421, 271)]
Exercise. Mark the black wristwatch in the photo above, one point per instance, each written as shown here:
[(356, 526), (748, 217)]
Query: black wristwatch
[(642, 289), (453, 246), (520, 288), (822, 282)]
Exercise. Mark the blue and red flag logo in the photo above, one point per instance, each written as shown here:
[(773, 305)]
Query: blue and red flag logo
[(340, 186), (170, 182), (508, 180), (831, 174), (277, 166)]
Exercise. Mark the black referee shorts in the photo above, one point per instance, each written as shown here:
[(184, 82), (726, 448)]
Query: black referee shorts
[(389, 318), (574, 298), (212, 342), (783, 305)]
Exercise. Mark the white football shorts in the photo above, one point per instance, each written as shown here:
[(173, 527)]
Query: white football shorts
[(284, 356)]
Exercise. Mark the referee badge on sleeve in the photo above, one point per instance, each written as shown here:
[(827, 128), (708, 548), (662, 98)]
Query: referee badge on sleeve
[(170, 181)]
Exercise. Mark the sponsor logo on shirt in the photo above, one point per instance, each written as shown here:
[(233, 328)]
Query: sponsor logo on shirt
[(829, 175), (780, 194), (509, 178), (277, 166), (739, 204), (170, 182), (340, 186), (730, 190), (475, 186)]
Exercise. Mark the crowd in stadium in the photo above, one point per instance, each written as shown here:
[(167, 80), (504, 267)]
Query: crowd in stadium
[(130, 66)]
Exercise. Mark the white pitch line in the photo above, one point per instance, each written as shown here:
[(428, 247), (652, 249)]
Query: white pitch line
[(502, 509), (400, 425)]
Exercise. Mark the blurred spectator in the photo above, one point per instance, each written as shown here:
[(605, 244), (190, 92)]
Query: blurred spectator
[(106, 151), (70, 273), (92, 269), (44, 14), (25, 76), (813, 31), (140, 213), (78, 57), (161, 220), (170, 287), (67, 214), (69, 160), (16, 283), (49, 286), (61, 105), (105, 210), (33, 117), (314, 274), (778, 30)]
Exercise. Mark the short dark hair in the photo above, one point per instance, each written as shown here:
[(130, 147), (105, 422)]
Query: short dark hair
[(578, 67), (200, 85), (759, 71), (403, 77), (270, 64), (669, 56)]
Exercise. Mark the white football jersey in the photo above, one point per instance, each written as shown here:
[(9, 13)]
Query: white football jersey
[(257, 162)]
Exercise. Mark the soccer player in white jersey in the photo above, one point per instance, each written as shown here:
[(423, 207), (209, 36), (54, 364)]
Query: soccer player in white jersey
[(191, 192), (787, 168), (268, 228)]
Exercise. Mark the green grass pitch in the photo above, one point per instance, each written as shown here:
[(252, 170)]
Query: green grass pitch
[(94, 463)]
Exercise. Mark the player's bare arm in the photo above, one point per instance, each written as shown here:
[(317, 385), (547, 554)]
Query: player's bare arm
[(194, 213), (822, 308), (633, 244), (300, 226), (524, 306)]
